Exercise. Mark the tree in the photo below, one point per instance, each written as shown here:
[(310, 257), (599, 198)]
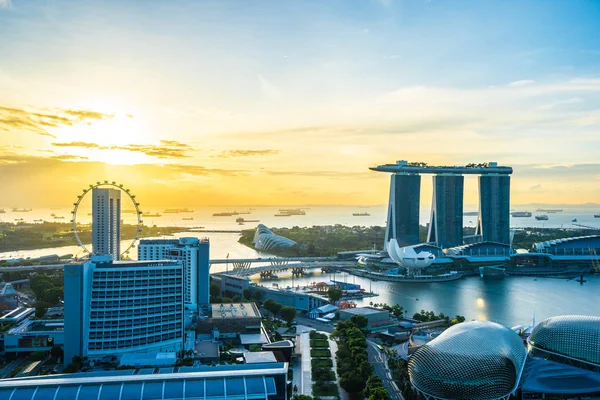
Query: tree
[(301, 397), (288, 314), (277, 308), (353, 382), (334, 294), (57, 351), (215, 291), (268, 305), (360, 321), (379, 393), (247, 294), (41, 308)]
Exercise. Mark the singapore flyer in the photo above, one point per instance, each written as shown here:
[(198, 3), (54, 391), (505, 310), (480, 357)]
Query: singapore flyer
[(106, 184)]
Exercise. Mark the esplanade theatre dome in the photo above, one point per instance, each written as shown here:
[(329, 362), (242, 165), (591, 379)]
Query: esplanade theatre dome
[(473, 360), (574, 337)]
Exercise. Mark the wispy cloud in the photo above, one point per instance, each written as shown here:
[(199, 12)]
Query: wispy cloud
[(246, 153), (5, 3), (39, 120), (520, 83), (167, 148)]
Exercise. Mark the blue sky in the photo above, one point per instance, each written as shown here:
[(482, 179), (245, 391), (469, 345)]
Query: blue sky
[(316, 86)]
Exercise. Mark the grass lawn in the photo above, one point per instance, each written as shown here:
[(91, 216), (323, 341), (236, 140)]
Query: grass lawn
[(319, 343), (320, 353), (325, 389), (323, 363)]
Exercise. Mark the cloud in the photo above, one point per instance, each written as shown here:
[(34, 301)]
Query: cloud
[(246, 153), (39, 120), (520, 83), (536, 187), (167, 149), (69, 157), (5, 3), (197, 170), (269, 89)]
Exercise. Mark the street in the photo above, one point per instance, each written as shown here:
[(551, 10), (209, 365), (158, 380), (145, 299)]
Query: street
[(377, 360)]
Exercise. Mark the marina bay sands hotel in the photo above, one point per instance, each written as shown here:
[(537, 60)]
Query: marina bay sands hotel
[(446, 224)]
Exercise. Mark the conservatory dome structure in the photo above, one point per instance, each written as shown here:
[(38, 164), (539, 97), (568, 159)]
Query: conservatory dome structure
[(476, 360)]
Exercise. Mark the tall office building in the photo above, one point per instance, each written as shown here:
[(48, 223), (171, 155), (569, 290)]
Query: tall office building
[(493, 223), (403, 209), (118, 307), (106, 222), (193, 254), (445, 227)]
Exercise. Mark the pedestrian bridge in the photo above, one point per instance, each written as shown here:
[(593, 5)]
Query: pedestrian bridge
[(297, 268)]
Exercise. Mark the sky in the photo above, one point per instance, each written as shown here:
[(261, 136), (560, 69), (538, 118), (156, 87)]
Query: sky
[(241, 102)]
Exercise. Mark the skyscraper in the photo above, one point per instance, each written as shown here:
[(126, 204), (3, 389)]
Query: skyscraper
[(445, 227), (193, 254), (106, 222), (118, 307), (403, 209), (493, 223)]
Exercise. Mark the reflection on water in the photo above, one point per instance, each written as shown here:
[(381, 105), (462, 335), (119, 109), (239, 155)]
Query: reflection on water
[(511, 301)]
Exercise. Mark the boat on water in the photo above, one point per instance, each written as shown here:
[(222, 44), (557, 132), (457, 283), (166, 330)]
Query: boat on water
[(282, 215), (21, 209), (521, 214), (574, 220), (292, 211), (446, 277), (492, 272), (58, 217), (597, 215), (225, 214), (242, 220), (542, 217), (361, 214), (188, 219), (177, 210), (149, 215), (19, 220), (549, 210)]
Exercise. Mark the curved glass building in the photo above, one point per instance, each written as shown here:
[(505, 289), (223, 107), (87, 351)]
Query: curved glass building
[(265, 239), (571, 339), (473, 360)]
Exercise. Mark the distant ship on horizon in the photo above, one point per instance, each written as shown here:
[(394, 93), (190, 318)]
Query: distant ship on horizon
[(177, 210), (542, 217), (521, 214), (361, 214), (21, 209), (549, 210)]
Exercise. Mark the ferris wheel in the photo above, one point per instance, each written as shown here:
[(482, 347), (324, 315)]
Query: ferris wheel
[(115, 185)]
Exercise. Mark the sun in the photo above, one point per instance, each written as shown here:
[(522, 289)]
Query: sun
[(106, 140)]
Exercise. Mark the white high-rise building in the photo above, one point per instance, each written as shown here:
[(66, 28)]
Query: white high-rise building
[(121, 307), (193, 254), (106, 222)]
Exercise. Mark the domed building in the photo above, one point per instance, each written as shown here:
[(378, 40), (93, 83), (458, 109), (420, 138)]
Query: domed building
[(474, 360), (569, 339), (265, 239)]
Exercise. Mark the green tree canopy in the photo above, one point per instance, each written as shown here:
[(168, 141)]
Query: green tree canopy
[(288, 314), (334, 294)]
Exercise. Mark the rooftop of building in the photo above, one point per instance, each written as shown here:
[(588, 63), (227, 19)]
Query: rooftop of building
[(185, 241), (242, 381), (363, 310), (29, 326), (403, 166), (17, 314), (234, 310), (206, 349), (259, 357)]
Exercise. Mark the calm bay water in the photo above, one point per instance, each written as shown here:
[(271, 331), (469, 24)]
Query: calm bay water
[(510, 301)]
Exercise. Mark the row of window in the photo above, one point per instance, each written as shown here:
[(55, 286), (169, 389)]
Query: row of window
[(107, 345)]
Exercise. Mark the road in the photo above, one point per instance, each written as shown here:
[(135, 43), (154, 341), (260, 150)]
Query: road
[(377, 360), (5, 372), (315, 324)]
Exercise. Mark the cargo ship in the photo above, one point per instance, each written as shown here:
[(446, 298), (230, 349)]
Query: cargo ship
[(361, 214), (292, 211), (225, 214), (549, 210), (177, 210), (542, 217), (242, 220), (21, 209), (155, 215), (597, 215), (188, 219), (282, 215), (521, 214)]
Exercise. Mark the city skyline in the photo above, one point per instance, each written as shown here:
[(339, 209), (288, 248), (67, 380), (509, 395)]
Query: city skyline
[(201, 103)]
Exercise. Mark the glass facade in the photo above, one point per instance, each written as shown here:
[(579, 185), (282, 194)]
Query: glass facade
[(472, 360), (576, 337), (445, 227), (494, 208), (106, 223), (403, 210), (265, 239), (113, 308)]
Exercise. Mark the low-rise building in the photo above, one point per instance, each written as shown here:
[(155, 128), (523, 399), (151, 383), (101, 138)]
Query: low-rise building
[(34, 335), (375, 316)]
